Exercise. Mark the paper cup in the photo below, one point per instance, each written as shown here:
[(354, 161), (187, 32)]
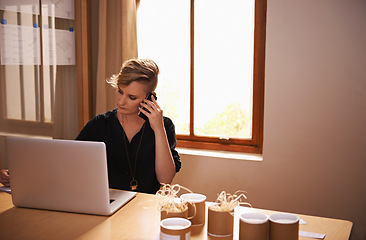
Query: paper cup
[(198, 212), (220, 224), (253, 226), (175, 229), (284, 226)]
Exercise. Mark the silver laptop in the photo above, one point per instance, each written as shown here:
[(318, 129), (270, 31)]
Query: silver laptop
[(62, 175)]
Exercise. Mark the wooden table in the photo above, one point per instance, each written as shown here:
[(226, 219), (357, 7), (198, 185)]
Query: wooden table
[(139, 219)]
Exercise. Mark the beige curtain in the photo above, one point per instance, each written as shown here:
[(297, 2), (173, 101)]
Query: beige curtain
[(65, 111), (117, 42)]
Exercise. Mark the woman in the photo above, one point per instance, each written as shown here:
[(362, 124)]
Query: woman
[(141, 153)]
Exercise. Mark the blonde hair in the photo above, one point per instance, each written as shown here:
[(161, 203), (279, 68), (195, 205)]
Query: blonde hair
[(140, 70)]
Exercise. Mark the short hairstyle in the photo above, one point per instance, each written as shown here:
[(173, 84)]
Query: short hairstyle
[(139, 70)]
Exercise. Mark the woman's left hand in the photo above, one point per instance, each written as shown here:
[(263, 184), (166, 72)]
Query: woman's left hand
[(156, 113)]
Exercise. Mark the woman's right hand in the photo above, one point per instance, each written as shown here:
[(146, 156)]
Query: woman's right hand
[(4, 177)]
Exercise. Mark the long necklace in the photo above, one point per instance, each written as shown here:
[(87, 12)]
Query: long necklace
[(133, 183)]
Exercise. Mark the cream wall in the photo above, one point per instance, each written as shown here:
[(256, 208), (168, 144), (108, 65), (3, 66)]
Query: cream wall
[(314, 156)]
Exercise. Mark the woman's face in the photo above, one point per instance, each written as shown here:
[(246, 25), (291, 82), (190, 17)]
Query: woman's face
[(129, 98)]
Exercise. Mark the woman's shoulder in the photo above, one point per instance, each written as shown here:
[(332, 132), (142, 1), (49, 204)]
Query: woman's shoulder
[(169, 125), (103, 119), (98, 126), (168, 121), (105, 116)]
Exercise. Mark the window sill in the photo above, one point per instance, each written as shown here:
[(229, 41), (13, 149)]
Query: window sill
[(9, 134), (220, 154)]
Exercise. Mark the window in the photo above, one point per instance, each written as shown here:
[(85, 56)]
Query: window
[(36, 39), (211, 56)]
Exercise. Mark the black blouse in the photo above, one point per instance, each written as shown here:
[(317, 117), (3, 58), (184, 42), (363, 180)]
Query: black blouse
[(106, 128)]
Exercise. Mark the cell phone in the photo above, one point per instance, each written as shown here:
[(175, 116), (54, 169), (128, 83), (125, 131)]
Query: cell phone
[(148, 97)]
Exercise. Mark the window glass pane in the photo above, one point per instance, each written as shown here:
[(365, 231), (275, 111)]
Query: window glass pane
[(20, 57), (13, 100), (164, 36), (47, 81), (49, 57), (30, 93), (30, 55), (224, 36)]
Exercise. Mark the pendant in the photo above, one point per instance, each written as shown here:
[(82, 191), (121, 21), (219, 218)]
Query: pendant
[(133, 184)]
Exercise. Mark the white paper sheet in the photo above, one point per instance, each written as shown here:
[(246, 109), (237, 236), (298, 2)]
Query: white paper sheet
[(19, 45), (58, 47), (23, 6), (311, 235), (58, 8)]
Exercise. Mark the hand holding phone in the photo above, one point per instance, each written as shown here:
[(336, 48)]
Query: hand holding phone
[(148, 97)]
